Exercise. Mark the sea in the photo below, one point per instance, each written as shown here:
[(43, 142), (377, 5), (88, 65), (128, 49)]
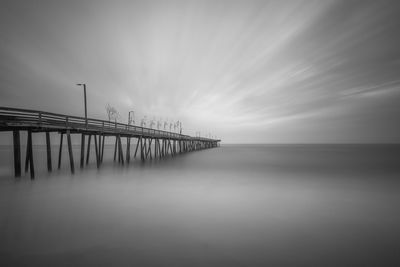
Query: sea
[(233, 205)]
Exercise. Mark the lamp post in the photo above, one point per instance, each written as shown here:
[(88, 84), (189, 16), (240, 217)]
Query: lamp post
[(84, 94), (129, 117)]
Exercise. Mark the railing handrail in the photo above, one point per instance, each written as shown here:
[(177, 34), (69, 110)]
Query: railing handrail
[(69, 120)]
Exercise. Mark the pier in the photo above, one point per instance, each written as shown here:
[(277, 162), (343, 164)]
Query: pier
[(150, 143)]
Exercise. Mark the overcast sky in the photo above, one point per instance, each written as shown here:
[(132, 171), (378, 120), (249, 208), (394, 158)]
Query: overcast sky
[(246, 71)]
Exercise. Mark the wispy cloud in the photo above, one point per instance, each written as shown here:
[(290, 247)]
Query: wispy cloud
[(221, 66)]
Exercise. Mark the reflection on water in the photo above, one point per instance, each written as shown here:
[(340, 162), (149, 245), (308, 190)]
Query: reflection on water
[(229, 206)]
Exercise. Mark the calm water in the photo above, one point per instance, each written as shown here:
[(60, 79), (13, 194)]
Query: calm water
[(295, 205)]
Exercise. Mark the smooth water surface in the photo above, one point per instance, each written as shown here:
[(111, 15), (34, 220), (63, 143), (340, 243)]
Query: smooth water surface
[(242, 205)]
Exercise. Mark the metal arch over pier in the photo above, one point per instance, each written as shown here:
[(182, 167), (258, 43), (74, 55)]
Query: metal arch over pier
[(164, 143)]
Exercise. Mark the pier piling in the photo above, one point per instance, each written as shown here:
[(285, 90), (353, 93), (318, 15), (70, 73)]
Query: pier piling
[(17, 153), (48, 148), (71, 156), (153, 143)]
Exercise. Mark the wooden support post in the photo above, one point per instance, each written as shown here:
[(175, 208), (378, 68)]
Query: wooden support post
[(102, 148), (88, 149), (99, 148), (118, 149), (155, 148), (159, 148), (82, 150), (137, 145), (121, 153), (128, 149), (149, 152), (145, 148), (151, 141), (169, 147), (30, 155), (17, 153), (149, 149), (48, 148), (27, 156), (115, 147), (71, 156), (96, 148), (141, 148), (60, 151)]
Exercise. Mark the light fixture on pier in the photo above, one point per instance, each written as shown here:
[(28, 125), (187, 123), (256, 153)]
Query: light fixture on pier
[(131, 119), (85, 101)]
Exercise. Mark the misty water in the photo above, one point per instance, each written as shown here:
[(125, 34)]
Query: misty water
[(235, 205)]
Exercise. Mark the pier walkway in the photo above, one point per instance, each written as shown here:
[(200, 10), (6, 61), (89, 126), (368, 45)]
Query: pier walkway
[(151, 143)]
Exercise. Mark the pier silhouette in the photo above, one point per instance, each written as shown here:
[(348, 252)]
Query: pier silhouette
[(151, 143)]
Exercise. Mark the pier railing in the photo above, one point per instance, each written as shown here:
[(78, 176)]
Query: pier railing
[(163, 143), (25, 118)]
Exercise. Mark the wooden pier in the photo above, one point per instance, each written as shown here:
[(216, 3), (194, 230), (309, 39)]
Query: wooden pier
[(151, 143)]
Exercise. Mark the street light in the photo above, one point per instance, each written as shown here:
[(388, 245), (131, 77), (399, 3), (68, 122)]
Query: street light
[(129, 117), (84, 93)]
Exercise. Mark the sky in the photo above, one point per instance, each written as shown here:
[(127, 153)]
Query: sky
[(244, 71)]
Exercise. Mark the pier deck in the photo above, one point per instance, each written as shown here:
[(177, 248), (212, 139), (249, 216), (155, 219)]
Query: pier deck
[(33, 121)]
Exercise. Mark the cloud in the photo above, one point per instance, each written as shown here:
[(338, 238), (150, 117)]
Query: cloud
[(221, 66)]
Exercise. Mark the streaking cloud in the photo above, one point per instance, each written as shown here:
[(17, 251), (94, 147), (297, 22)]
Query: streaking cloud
[(247, 71)]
